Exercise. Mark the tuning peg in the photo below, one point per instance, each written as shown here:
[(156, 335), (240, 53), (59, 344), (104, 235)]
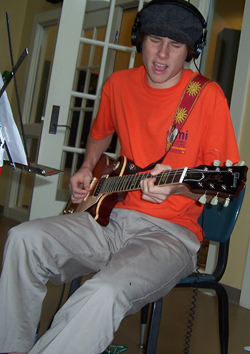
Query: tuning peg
[(203, 199), (240, 163), (214, 201), (226, 203), (216, 163), (229, 163)]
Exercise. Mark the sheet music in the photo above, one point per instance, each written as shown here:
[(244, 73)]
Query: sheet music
[(10, 132)]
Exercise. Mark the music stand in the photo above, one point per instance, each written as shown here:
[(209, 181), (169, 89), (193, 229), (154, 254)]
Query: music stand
[(12, 150)]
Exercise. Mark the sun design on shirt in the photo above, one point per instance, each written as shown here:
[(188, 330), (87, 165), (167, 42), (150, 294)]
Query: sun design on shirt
[(193, 88), (181, 114)]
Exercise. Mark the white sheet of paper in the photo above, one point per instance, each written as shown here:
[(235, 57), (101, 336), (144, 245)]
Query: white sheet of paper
[(10, 131)]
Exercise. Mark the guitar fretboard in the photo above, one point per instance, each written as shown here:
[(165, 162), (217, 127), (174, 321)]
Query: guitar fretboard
[(132, 182)]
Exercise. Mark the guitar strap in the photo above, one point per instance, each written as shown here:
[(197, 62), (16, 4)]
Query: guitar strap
[(189, 97)]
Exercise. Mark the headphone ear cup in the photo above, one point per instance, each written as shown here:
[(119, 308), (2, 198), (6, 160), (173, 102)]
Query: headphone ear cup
[(134, 34), (189, 57), (198, 47), (138, 46)]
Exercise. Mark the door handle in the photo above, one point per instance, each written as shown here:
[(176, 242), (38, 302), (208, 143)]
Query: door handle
[(54, 120)]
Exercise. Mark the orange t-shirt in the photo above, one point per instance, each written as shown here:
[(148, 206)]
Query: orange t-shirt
[(141, 115)]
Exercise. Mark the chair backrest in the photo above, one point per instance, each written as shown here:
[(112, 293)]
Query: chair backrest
[(218, 221)]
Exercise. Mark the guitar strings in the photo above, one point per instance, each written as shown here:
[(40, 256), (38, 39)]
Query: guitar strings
[(132, 182)]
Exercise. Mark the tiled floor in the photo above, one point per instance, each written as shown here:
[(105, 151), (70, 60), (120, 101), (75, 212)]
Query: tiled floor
[(204, 339)]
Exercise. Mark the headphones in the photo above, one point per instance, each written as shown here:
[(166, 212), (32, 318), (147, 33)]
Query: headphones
[(197, 47)]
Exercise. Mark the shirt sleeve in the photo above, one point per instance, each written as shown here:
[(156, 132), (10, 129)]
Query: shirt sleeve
[(219, 142), (103, 124)]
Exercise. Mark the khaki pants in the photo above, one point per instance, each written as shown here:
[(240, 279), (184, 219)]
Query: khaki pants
[(137, 259)]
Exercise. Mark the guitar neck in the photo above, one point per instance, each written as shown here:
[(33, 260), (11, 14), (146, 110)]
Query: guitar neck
[(131, 182)]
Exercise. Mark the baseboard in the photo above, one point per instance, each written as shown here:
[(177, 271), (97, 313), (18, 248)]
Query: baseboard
[(233, 294)]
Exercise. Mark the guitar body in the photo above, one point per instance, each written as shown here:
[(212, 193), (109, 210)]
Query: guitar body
[(101, 205)]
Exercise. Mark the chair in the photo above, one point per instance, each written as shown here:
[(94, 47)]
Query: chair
[(218, 223)]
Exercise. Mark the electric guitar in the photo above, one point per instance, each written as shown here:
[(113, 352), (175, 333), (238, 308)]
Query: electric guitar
[(112, 182)]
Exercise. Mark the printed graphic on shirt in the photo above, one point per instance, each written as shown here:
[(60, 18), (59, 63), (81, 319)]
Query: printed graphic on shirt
[(179, 146)]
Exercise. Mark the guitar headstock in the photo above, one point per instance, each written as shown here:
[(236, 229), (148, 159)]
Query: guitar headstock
[(220, 181)]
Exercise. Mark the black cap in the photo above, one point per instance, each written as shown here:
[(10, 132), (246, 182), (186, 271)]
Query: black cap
[(169, 19)]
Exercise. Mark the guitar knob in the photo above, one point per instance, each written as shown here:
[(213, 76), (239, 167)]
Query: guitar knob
[(216, 163), (214, 201), (226, 203), (240, 163), (203, 199), (229, 163), (68, 211)]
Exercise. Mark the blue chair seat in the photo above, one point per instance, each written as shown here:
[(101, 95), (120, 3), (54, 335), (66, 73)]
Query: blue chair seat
[(194, 278)]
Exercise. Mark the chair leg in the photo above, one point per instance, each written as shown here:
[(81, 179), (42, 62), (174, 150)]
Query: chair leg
[(154, 327), (74, 285), (144, 320), (223, 317), (222, 310)]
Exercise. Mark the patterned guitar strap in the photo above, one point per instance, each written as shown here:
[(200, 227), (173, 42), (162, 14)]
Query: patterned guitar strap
[(189, 97)]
